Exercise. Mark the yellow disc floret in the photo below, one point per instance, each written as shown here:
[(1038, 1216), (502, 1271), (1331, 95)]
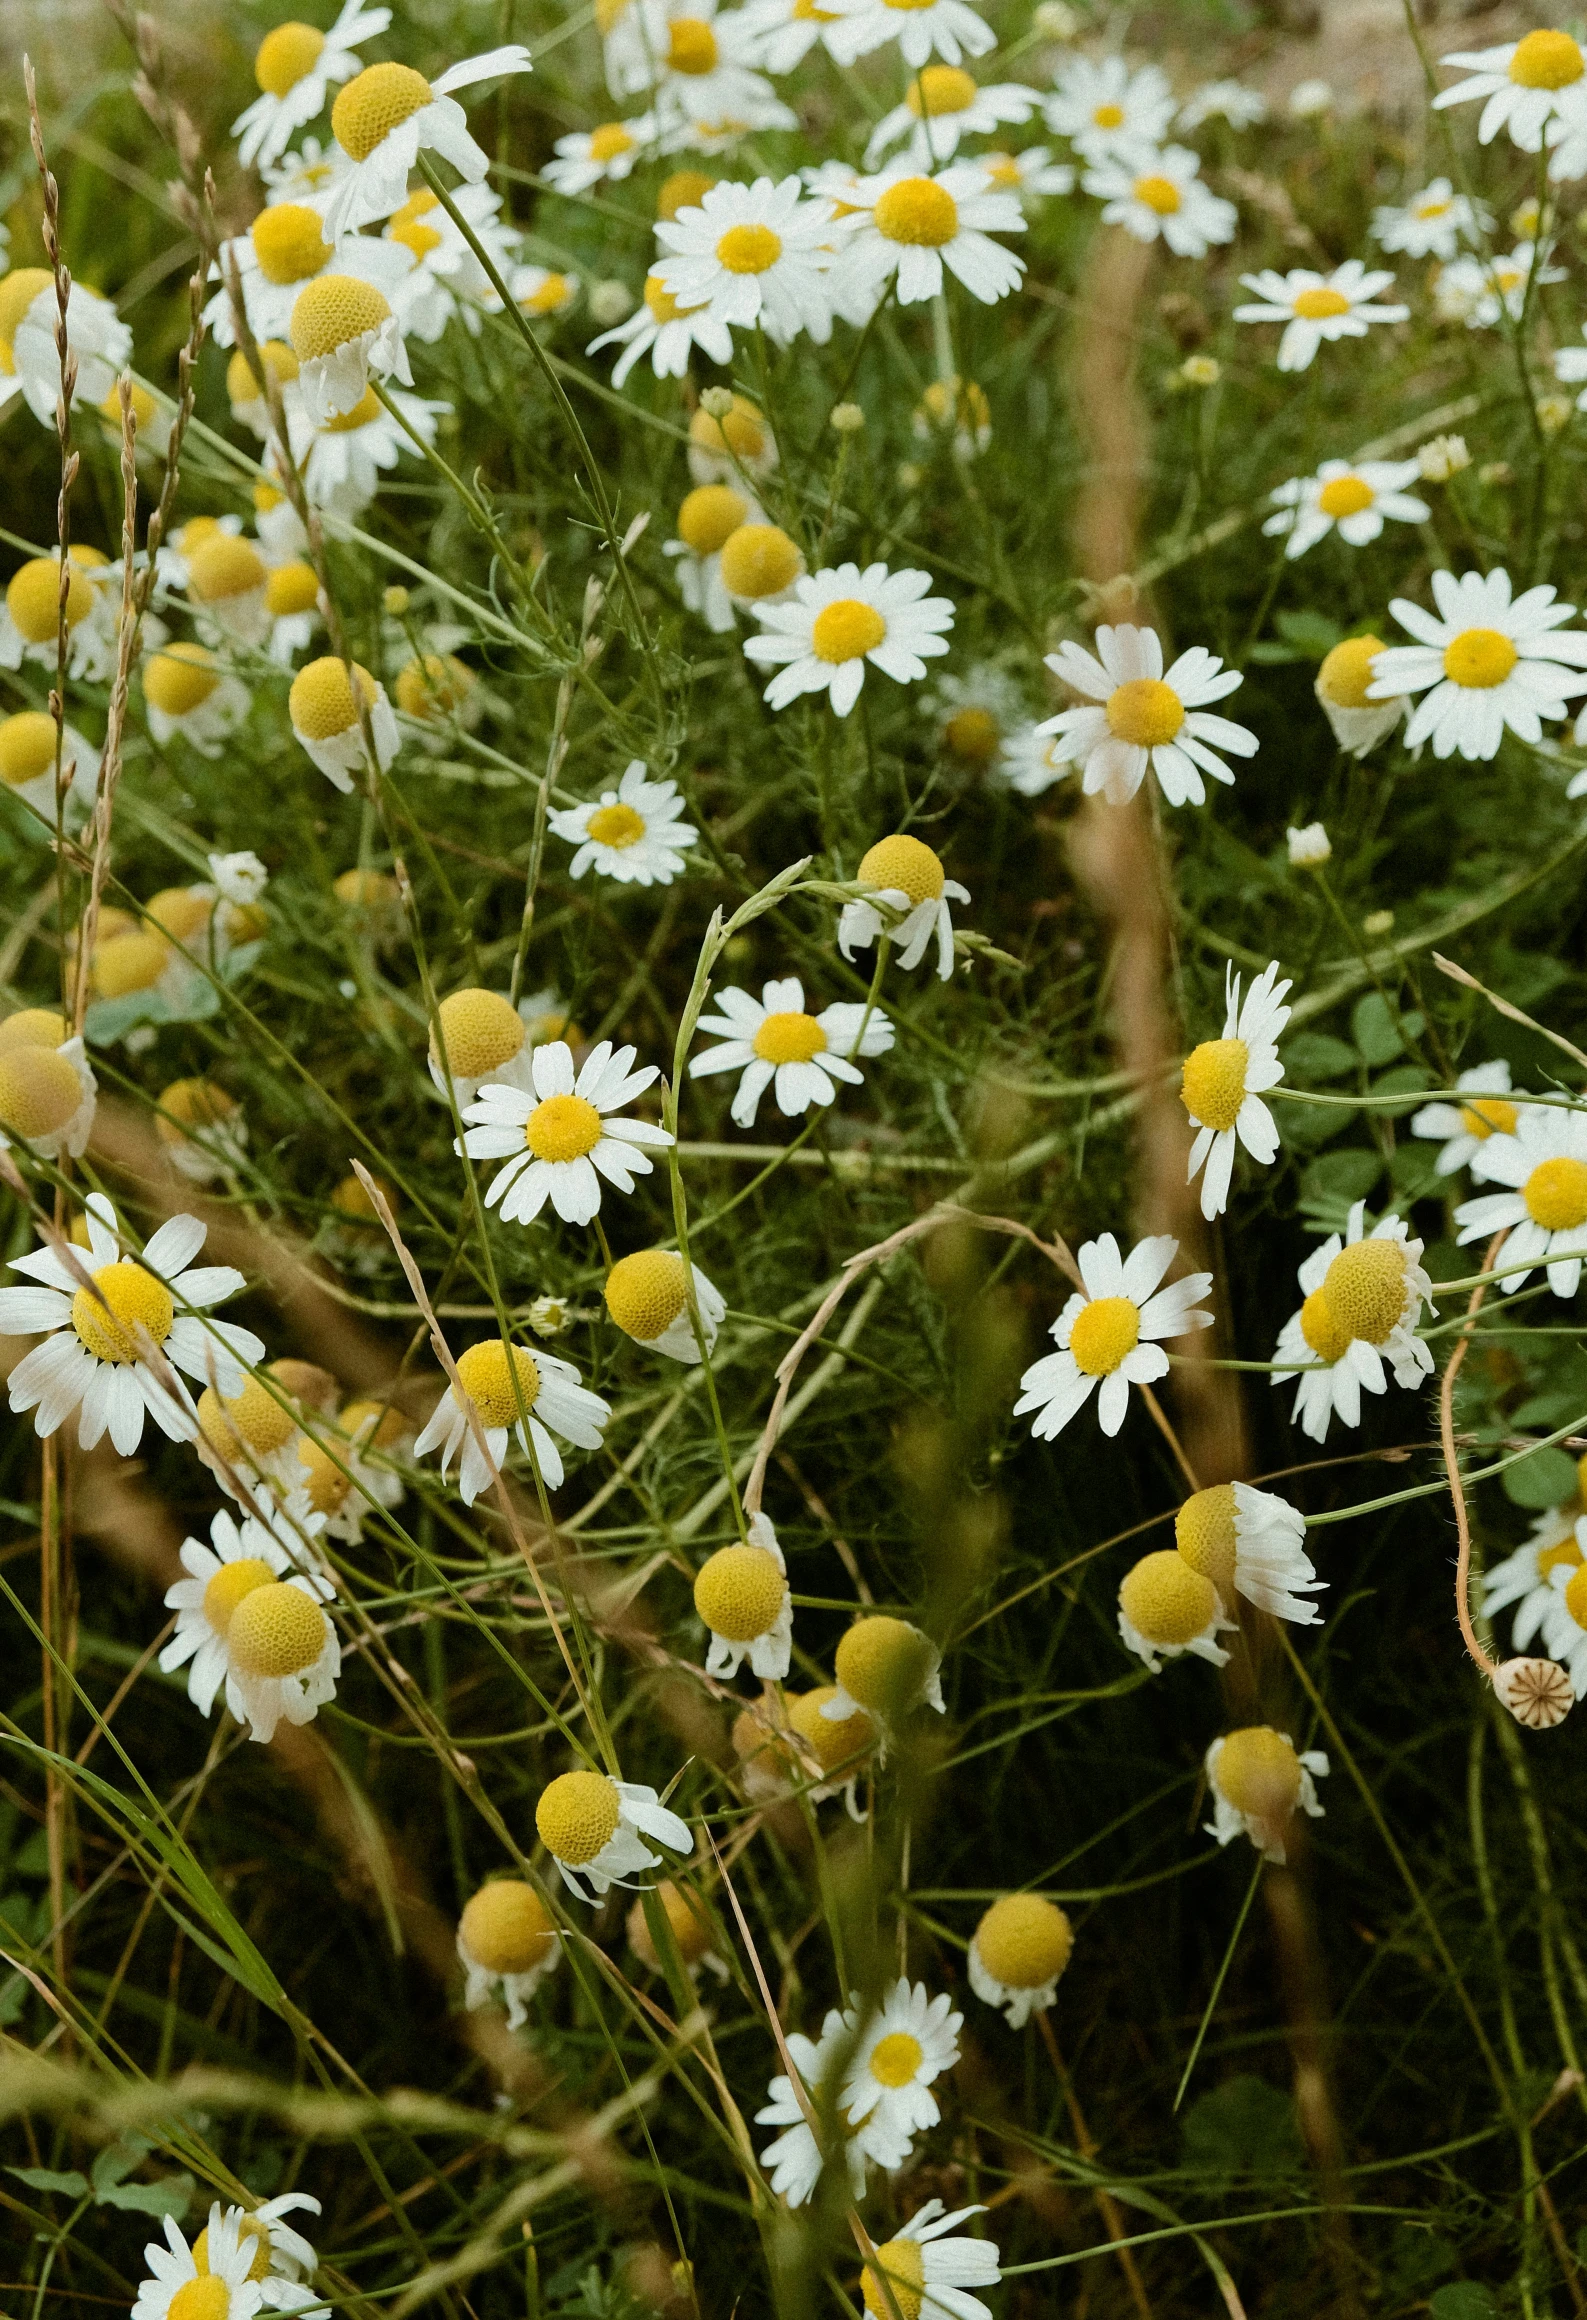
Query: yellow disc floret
[(610, 141), (205, 2298), (243, 382), (333, 311), (252, 1420), (1485, 1116), (684, 189), (1321, 304), (1104, 1331), (1576, 1595), (896, 2058), (1546, 60), (577, 1816), (1323, 1329), (759, 560), (903, 865), (248, 2228), (709, 516), (34, 1026), (33, 598), (562, 1128), (230, 1584), (748, 249), (192, 1103), (846, 630), (1158, 194), (18, 289), (1167, 1602), (1346, 672), (284, 55), (1145, 711), (832, 1741), (1344, 495), (618, 826), (788, 1037), (884, 1665), (1365, 1288), (129, 962), (506, 1928), (375, 102), (1205, 1534), (1556, 1194), (740, 431), (691, 46), (691, 1928), (940, 88), (125, 1300), (369, 890), (291, 588), (1259, 1773), (1479, 658), (480, 1031), (1024, 1941), (646, 1292), (896, 2282), (433, 687), (27, 747), (324, 1477), (276, 1630), (287, 242), (973, 734), (321, 704), (407, 224), (484, 1376), (739, 1592), (1213, 1087), (39, 1091), (224, 567), (918, 213), (180, 679)]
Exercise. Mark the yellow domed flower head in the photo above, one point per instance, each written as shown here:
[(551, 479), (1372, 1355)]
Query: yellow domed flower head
[(435, 688), (508, 1941), (29, 350), (667, 331), (291, 590), (385, 117), (564, 1136), (296, 66), (250, 1437), (249, 1617), (351, 1200), (33, 1027), (691, 1929), (1017, 1953), (1488, 1107), (508, 1391), (1251, 1543), (1108, 1332), (910, 878), (485, 1041), (1362, 1302), (1542, 1166), (922, 2272), (1258, 1782), (327, 719), (1225, 1080), (1167, 1607), (342, 329), (887, 1668), (47, 1087), (594, 1829), (647, 1297), (31, 620), (839, 1742), (202, 1129), (372, 896), (27, 764), (19, 289), (707, 519), (741, 1594), (1343, 690), (187, 691), (759, 562)]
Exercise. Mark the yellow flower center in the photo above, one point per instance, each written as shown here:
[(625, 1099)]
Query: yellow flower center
[(327, 1483), (224, 567), (846, 630), (321, 705), (505, 1928), (252, 1420), (684, 189), (365, 890), (144, 407), (288, 243), (191, 1103), (710, 516), (480, 1031), (1346, 672), (1344, 495), (1259, 1773), (1365, 1288), (1024, 1941), (1213, 1087), (883, 1664), (609, 140), (660, 300), (433, 687), (33, 1026), (285, 55), (291, 588), (18, 289), (646, 1292), (577, 1816), (27, 747), (1486, 1116), (1107, 116), (1565, 1554), (896, 2058), (1479, 658), (1145, 711), (249, 2227), (1322, 1328), (941, 88), (484, 1376), (206, 2298), (1166, 1601), (896, 2282), (974, 735), (130, 962), (832, 1742), (228, 1587), (407, 224), (1158, 193), (1556, 1195), (759, 560), (748, 249), (788, 1037), (917, 212), (33, 598), (617, 826), (1104, 1331), (905, 865), (243, 382), (333, 311), (128, 1297), (1546, 60), (39, 1091), (1205, 1535), (739, 1592), (740, 431), (276, 1630), (379, 100), (1576, 1596), (180, 679), (1320, 304), (1432, 209), (806, 12), (549, 298), (1001, 168), (563, 1128), (691, 45)]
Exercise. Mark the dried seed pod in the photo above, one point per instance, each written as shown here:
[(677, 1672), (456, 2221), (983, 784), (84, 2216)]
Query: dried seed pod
[(1537, 1692)]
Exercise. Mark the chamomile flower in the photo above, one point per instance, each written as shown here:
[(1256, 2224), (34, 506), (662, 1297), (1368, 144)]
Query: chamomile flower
[(1259, 1781), (661, 328), (32, 613), (479, 1036), (922, 29), (647, 1296), (285, 248), (1167, 1608), (785, 31), (507, 1941), (227, 583), (541, 291), (773, 1042), (1480, 292), (1229, 101), (296, 67), (1159, 196), (942, 105), (388, 115), (699, 60), (343, 459), (1318, 308), (1523, 82), (1486, 663), (886, 1669), (249, 1619), (633, 833), (1144, 718), (448, 277), (326, 720), (1343, 691), (282, 2257), (905, 224), (1523, 1583), (1031, 174), (1432, 223), (178, 2288), (1225, 1079), (245, 391), (836, 621), (1363, 1298), (1106, 111), (595, 1829), (48, 1092), (1465, 1130), (605, 155), (1108, 1332), (910, 878), (563, 1136), (249, 1440), (1308, 848), (752, 256), (923, 2272), (1018, 1953), (1031, 759), (27, 765), (187, 691), (904, 2048), (707, 520), (975, 708), (1353, 497), (202, 1130), (1565, 1622), (345, 1469), (795, 2161), (536, 1393), (730, 440), (97, 336), (756, 564), (1250, 1542), (343, 329), (92, 1359), (741, 1596), (1542, 1163)]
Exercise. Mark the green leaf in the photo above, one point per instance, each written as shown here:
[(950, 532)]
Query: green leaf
[(168, 2195), (117, 2161), (1244, 2127), (1315, 1055), (46, 2179), (1463, 2300), (1546, 1478), (1376, 1029), (1335, 1181)]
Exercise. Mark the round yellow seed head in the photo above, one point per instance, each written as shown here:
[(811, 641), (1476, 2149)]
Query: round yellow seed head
[(375, 102), (831, 1742), (709, 517), (691, 1928), (1259, 1773), (480, 1031), (287, 242), (33, 1027), (1479, 658), (1365, 1288), (39, 1091), (1485, 1116), (124, 1298), (896, 2282), (180, 679), (577, 1816), (276, 1630), (285, 54), (739, 1592), (33, 598), (1213, 1086), (1204, 1532), (1344, 495), (229, 1585), (940, 88), (485, 1378), (1322, 1328), (434, 687), (973, 734), (243, 383), (562, 1128), (1145, 711), (1556, 1194), (349, 1199), (904, 865), (846, 630), (885, 1665), (1158, 193), (748, 249), (129, 962), (18, 289), (250, 1421), (145, 410), (759, 560), (334, 310), (918, 213), (1024, 1941), (1166, 1601), (373, 1425), (788, 1037), (1346, 672), (191, 1103), (321, 703), (1103, 1332), (182, 912), (306, 1383), (371, 890), (506, 1928), (684, 189), (691, 46), (1321, 305), (291, 588), (740, 431), (408, 227), (1546, 60), (27, 747), (206, 2298), (323, 1477), (646, 1292)]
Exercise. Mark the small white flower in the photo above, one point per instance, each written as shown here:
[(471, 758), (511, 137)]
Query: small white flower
[(1250, 1542), (48, 1096), (343, 460), (1160, 197), (634, 833), (249, 1616), (1259, 1780), (699, 59), (326, 721), (772, 1039), (926, 28), (1432, 223), (1343, 690), (1441, 457), (1484, 665), (1318, 307), (751, 255), (96, 335), (906, 2045), (1525, 1578), (539, 1391), (596, 156), (1107, 1333), (903, 222), (1309, 848), (1229, 101), (1465, 1130), (741, 1595), (647, 1296), (1480, 292), (1363, 1299), (343, 332), (1543, 1163), (660, 328), (507, 1941), (1309, 98), (1224, 1083), (238, 877), (943, 105), (1106, 111), (910, 878), (560, 1140), (795, 2160), (929, 2274), (228, 2260), (284, 248), (1524, 82), (595, 1828), (388, 115), (1352, 497), (448, 278), (1144, 718), (1032, 759), (1029, 174), (821, 638), (296, 66)]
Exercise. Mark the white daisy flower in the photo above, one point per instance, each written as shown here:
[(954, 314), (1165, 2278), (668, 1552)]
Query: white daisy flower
[(1229, 101), (595, 1830), (647, 1296), (326, 722), (905, 2045), (1145, 718), (540, 291), (560, 1139), (508, 1942), (296, 67), (1249, 1542), (95, 333), (922, 2271), (1363, 1299), (306, 174), (1485, 664), (1318, 307), (30, 617), (48, 1092), (537, 1392), (741, 1596), (283, 2255), (1565, 1622), (448, 277), (1464, 1130), (634, 833), (751, 255), (785, 31), (1108, 1332), (885, 1670), (910, 878), (821, 637), (347, 1471), (251, 1438), (1480, 292), (1030, 174), (976, 706), (228, 2260), (343, 460), (1259, 1781), (1343, 690), (1353, 497), (599, 156), (1018, 1953), (390, 114), (1523, 82), (1167, 1608), (699, 59), (1566, 136), (1032, 759), (485, 1039), (1308, 848), (707, 519), (772, 1040), (1160, 197), (942, 105), (660, 328), (1525, 1578), (1432, 223), (1106, 111), (92, 1361), (1543, 1164), (279, 1656), (904, 223), (343, 329), (202, 1131), (286, 247), (1225, 1080), (27, 765), (922, 29), (795, 2160)]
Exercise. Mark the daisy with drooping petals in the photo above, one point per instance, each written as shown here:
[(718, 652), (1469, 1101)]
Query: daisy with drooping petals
[(921, 2271), (178, 2287), (32, 613), (1318, 307), (296, 67), (1363, 1298), (633, 833), (560, 1139), (795, 2160), (48, 1092), (1168, 1607), (27, 766), (1018, 1953), (942, 105), (772, 1040), (647, 1296), (326, 719), (660, 328), (1250, 1542), (1144, 718), (1259, 1781), (820, 638), (342, 460), (388, 115), (1108, 112), (95, 1331), (741, 1595), (536, 1392), (598, 156), (187, 691), (1343, 690), (278, 1658), (1353, 497), (1160, 197), (1524, 82), (751, 255), (343, 331), (909, 876), (885, 1669), (484, 1038), (922, 29), (595, 1828), (29, 318), (1542, 1162), (1431, 224), (1107, 1333), (707, 519), (284, 248), (1464, 1130), (1484, 665), (507, 1940), (906, 2045), (904, 223), (1225, 1079), (1525, 1578), (286, 2256)]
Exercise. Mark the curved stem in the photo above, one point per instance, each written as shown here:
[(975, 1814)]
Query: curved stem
[(1457, 1488)]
